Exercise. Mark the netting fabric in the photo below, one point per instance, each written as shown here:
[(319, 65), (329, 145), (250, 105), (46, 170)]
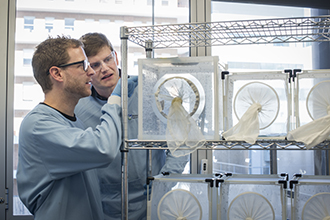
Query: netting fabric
[(256, 106), (312, 133), (318, 106), (247, 129), (318, 100), (183, 136)]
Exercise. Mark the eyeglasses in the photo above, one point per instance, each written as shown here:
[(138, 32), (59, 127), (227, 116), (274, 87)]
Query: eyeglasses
[(97, 66), (84, 62)]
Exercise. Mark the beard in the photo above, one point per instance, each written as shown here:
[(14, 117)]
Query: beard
[(77, 88)]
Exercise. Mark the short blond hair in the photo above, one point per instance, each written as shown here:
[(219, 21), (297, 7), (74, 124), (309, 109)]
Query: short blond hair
[(51, 52), (94, 42)]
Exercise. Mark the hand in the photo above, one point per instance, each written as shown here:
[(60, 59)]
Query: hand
[(132, 82)]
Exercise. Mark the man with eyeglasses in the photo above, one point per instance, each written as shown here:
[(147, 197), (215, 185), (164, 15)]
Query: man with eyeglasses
[(104, 61), (58, 157)]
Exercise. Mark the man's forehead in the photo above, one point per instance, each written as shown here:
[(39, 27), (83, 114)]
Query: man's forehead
[(76, 53), (101, 54)]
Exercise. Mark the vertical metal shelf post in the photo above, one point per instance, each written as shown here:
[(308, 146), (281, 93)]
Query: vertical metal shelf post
[(149, 54), (149, 45), (124, 101)]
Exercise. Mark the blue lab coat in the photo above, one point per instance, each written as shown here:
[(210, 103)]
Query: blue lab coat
[(56, 175), (88, 110)]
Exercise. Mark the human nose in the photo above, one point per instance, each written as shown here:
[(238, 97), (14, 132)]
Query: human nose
[(103, 66), (90, 70)]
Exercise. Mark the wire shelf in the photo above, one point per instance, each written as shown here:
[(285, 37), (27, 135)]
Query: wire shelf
[(281, 30), (232, 145)]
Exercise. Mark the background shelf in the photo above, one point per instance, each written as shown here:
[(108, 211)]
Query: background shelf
[(282, 30), (266, 144)]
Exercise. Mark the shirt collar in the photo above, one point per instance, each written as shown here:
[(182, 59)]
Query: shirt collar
[(95, 94), (71, 118)]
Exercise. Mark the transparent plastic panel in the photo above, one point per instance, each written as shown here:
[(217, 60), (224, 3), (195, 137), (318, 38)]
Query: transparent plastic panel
[(292, 162), (306, 80), (194, 197), (265, 190), (311, 198), (161, 80), (276, 83)]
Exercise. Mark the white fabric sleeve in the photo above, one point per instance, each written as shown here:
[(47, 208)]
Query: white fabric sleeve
[(183, 136), (247, 129), (312, 133)]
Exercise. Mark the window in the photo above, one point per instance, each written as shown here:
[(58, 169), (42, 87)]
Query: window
[(89, 21), (104, 21), (119, 22), (27, 57), (69, 23), (29, 23), (183, 3), (49, 23), (137, 23), (164, 2), (27, 92)]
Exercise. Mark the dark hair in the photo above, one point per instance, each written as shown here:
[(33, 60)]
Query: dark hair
[(94, 42), (51, 52)]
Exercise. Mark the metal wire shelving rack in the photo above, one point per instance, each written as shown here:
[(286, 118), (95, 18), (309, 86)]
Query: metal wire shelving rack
[(281, 30), (263, 31), (266, 144)]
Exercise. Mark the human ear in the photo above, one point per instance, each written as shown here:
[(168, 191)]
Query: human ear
[(56, 73)]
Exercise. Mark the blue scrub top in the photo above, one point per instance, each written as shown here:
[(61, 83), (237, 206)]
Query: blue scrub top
[(56, 174), (88, 110)]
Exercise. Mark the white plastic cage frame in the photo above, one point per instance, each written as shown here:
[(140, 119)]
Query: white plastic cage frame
[(201, 73), (269, 190), (304, 81), (278, 81), (310, 197), (199, 200)]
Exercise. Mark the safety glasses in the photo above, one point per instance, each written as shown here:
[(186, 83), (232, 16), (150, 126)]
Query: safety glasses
[(84, 62), (97, 66)]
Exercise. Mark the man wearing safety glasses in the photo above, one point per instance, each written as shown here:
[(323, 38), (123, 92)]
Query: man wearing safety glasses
[(56, 175), (84, 64), (104, 61)]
